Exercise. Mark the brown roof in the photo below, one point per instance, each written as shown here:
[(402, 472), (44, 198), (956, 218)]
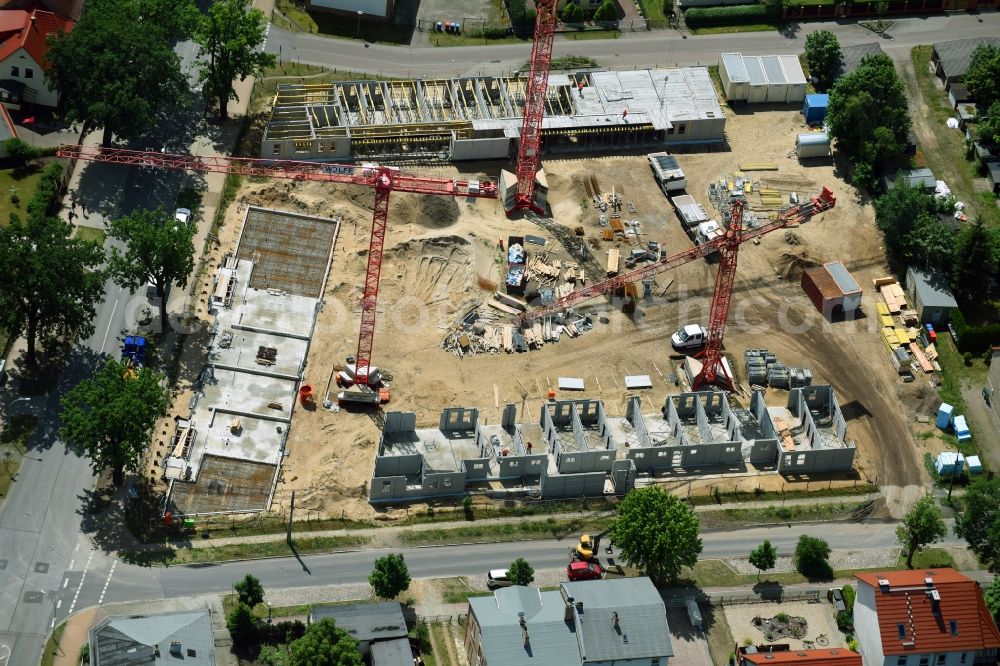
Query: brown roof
[(824, 282), (30, 30), (959, 622), (821, 657)]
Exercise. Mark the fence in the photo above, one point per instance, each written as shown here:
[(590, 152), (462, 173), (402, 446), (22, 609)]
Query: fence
[(460, 618), (765, 596)]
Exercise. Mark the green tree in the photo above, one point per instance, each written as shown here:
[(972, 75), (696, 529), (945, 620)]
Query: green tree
[(896, 213), (230, 36), (324, 644), (974, 261), (572, 13), (520, 572), (763, 557), (823, 56), (811, 558), (657, 533), (983, 77), (390, 576), (51, 282), (922, 525), (993, 599), (988, 125), (979, 523), (110, 415), (158, 249), (608, 11), (930, 243), (117, 68), (249, 591), (870, 97), (242, 625)]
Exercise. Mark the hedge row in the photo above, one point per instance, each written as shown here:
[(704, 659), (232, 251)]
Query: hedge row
[(698, 16), (46, 197), (519, 12), (975, 339)]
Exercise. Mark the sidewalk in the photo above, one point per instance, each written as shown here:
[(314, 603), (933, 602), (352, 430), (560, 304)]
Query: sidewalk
[(373, 532)]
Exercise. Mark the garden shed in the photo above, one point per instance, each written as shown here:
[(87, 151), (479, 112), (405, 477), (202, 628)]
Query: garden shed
[(814, 108), (832, 289), (795, 78), (735, 79), (928, 294)]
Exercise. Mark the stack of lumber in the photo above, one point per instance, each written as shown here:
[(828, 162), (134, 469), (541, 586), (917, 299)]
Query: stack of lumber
[(539, 269), (895, 298), (787, 441), (614, 260), (922, 361)]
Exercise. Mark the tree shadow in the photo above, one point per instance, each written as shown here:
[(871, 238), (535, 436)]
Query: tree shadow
[(790, 29)]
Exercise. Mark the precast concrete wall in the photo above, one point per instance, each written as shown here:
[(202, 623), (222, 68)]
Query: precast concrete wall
[(399, 422), (485, 148), (458, 420), (406, 465), (576, 462), (387, 489), (816, 460), (512, 467), (476, 469), (589, 484), (763, 452), (623, 475)]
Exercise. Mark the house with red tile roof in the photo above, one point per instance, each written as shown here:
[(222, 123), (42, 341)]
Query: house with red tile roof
[(762, 655), (925, 617), (23, 36)]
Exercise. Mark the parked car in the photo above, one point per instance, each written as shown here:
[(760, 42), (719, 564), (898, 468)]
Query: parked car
[(581, 570), (498, 578), (183, 215), (836, 597), (690, 337)]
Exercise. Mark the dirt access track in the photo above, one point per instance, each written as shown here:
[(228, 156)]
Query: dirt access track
[(442, 259)]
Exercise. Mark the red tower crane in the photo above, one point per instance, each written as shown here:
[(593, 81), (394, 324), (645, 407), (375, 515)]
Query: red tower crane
[(384, 180), (712, 371), (529, 145)]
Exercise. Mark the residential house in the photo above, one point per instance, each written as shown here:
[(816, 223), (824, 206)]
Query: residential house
[(71, 9), (923, 618), (621, 621), (951, 59), (369, 9), (7, 130), (928, 293), (22, 51), (160, 640), (764, 655), (380, 630)]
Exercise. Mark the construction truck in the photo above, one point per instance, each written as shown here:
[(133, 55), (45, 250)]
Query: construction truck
[(134, 351)]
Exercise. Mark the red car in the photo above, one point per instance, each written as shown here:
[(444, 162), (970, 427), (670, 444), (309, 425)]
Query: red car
[(584, 571)]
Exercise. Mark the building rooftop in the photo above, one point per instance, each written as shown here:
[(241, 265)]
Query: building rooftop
[(851, 56), (955, 55), (170, 638), (365, 622), (932, 288), (395, 652), (817, 657), (29, 31), (551, 639), (912, 620)]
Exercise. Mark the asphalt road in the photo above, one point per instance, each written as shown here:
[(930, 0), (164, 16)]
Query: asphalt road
[(130, 582), (44, 558), (643, 49)]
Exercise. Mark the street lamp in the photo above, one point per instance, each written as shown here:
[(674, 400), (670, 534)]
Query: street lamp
[(358, 33)]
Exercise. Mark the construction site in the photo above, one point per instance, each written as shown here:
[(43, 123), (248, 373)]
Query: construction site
[(525, 327)]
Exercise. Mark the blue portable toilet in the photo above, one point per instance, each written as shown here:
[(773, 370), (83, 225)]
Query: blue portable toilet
[(943, 420), (962, 429), (814, 108)]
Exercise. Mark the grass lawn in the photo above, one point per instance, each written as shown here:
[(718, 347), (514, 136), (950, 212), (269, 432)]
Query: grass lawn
[(242, 551), (90, 234), (716, 573), (811, 492), (953, 372), (810, 3), (448, 39), (457, 591), (17, 185), (777, 514), (52, 646), (726, 29), (947, 157), (592, 34), (492, 533), (652, 10), (13, 439)]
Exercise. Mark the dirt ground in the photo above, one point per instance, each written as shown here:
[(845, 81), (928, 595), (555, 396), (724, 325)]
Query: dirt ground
[(441, 253)]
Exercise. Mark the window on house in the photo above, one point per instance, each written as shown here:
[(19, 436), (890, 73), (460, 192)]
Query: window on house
[(277, 149), (953, 625), (15, 70), (940, 659), (901, 628), (655, 662), (962, 659), (681, 129), (925, 660), (901, 661), (28, 73)]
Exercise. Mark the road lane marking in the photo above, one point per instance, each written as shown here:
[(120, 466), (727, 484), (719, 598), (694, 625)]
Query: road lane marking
[(107, 582), (71, 563), (65, 583), (79, 587), (52, 624), (59, 604), (111, 321), (77, 547)]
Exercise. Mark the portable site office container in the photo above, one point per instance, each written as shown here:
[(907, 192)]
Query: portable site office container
[(812, 144), (757, 88), (777, 86), (832, 289), (795, 78), (735, 80), (814, 108)]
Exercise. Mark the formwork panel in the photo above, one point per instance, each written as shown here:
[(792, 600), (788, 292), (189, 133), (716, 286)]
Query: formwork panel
[(224, 485), (290, 252)]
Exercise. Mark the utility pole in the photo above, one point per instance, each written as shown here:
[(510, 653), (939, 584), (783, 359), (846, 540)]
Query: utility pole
[(291, 513)]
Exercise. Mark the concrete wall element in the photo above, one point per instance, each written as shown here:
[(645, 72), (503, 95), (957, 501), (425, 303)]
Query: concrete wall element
[(759, 410), (523, 467), (763, 452), (480, 148), (509, 417), (458, 420), (399, 422), (398, 465), (476, 469), (440, 484), (816, 460), (576, 462), (572, 485), (658, 458), (548, 429), (387, 489), (633, 414), (623, 475)]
